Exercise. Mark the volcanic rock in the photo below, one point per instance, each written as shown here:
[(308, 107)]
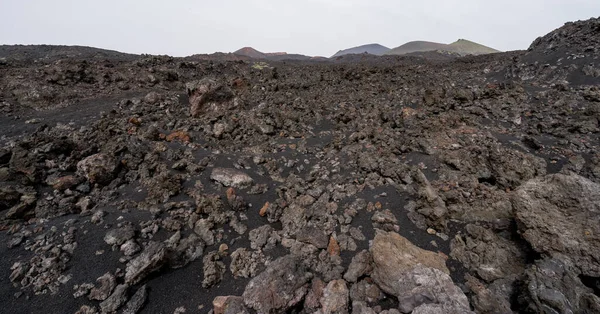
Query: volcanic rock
[(553, 286), (99, 168), (229, 305), (107, 283), (116, 300), (231, 177), (426, 285), (120, 235), (361, 264), (393, 256), (335, 297), (279, 287), (136, 303), (558, 215), (151, 259), (207, 95)]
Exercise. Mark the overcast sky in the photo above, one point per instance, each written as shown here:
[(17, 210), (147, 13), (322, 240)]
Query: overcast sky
[(311, 27)]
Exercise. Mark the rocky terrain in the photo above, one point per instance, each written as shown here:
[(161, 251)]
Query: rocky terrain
[(152, 184)]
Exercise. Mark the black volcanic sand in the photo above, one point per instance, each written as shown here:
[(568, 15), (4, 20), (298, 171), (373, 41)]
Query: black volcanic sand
[(381, 130)]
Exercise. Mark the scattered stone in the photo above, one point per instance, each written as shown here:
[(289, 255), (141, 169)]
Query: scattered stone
[(188, 250), (115, 300), (259, 236), (231, 177), (151, 259), (314, 236), (202, 228), (361, 265), (245, 263), (312, 301), (214, 269), (333, 248), (366, 291), (130, 248), (137, 301), (120, 235), (263, 210), (335, 297), (107, 283)]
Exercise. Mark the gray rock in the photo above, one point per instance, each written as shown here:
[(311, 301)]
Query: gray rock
[(84, 309), (360, 265), (130, 247), (445, 308), (259, 236), (385, 220), (135, 304), (426, 285), (231, 177), (229, 305), (213, 268), (120, 235), (293, 219), (335, 297), (558, 215), (281, 286), (313, 235), (359, 307), (484, 300), (151, 259), (115, 301), (245, 263), (99, 168), (553, 286), (366, 291), (312, 301), (202, 228), (206, 95), (488, 255), (188, 250), (107, 283)]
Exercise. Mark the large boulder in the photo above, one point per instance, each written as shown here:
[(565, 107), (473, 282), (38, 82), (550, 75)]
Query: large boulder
[(99, 168), (393, 256), (552, 286), (426, 285), (488, 255), (559, 215), (415, 276), (281, 286), (208, 95)]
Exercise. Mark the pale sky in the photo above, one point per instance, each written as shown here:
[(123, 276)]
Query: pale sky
[(310, 27)]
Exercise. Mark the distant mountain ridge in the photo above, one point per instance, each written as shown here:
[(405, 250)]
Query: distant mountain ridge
[(374, 49), (274, 56), (461, 47)]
